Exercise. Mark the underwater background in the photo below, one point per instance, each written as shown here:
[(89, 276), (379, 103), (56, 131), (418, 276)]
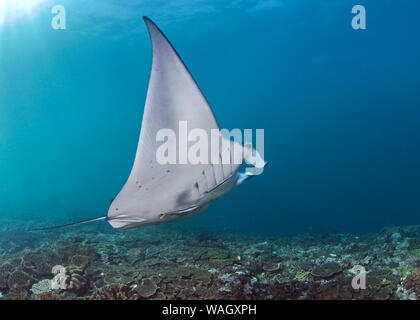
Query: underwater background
[(340, 107)]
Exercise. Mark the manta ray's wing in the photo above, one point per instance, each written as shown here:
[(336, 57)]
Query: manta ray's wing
[(172, 96)]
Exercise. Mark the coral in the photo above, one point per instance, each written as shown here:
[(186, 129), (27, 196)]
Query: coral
[(302, 275), (271, 267), (76, 281), (15, 241), (147, 288), (20, 279), (186, 293), (5, 271), (66, 251), (215, 254), (49, 295), (326, 270), (415, 252), (115, 292), (103, 249), (151, 264), (39, 263), (414, 243), (41, 286), (218, 256), (385, 282), (201, 276), (412, 282), (120, 275), (80, 260), (389, 231), (17, 294)]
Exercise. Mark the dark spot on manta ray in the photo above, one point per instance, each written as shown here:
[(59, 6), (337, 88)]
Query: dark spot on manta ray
[(184, 198)]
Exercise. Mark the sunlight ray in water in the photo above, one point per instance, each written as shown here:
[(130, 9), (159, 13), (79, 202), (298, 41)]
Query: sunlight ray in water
[(12, 10)]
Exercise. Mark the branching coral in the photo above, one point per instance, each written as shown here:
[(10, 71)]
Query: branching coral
[(412, 282), (50, 295), (5, 271), (115, 292), (76, 281)]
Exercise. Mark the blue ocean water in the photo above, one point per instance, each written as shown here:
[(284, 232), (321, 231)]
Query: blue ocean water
[(340, 107)]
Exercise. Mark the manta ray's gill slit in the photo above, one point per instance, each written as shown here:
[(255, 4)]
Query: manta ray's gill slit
[(209, 176), (197, 188), (223, 177), (213, 175), (198, 185), (205, 183), (231, 161)]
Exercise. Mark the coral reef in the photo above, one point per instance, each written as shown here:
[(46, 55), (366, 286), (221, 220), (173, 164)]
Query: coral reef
[(115, 292), (76, 281), (326, 270), (41, 287), (49, 295), (17, 294), (147, 288), (165, 262), (19, 279), (412, 282)]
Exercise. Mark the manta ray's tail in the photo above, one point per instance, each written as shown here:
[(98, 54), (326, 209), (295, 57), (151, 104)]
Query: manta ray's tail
[(69, 224)]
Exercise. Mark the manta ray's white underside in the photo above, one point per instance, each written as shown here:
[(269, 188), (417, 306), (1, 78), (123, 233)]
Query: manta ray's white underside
[(156, 193)]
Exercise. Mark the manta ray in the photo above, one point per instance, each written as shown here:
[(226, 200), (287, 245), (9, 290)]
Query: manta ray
[(157, 193)]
